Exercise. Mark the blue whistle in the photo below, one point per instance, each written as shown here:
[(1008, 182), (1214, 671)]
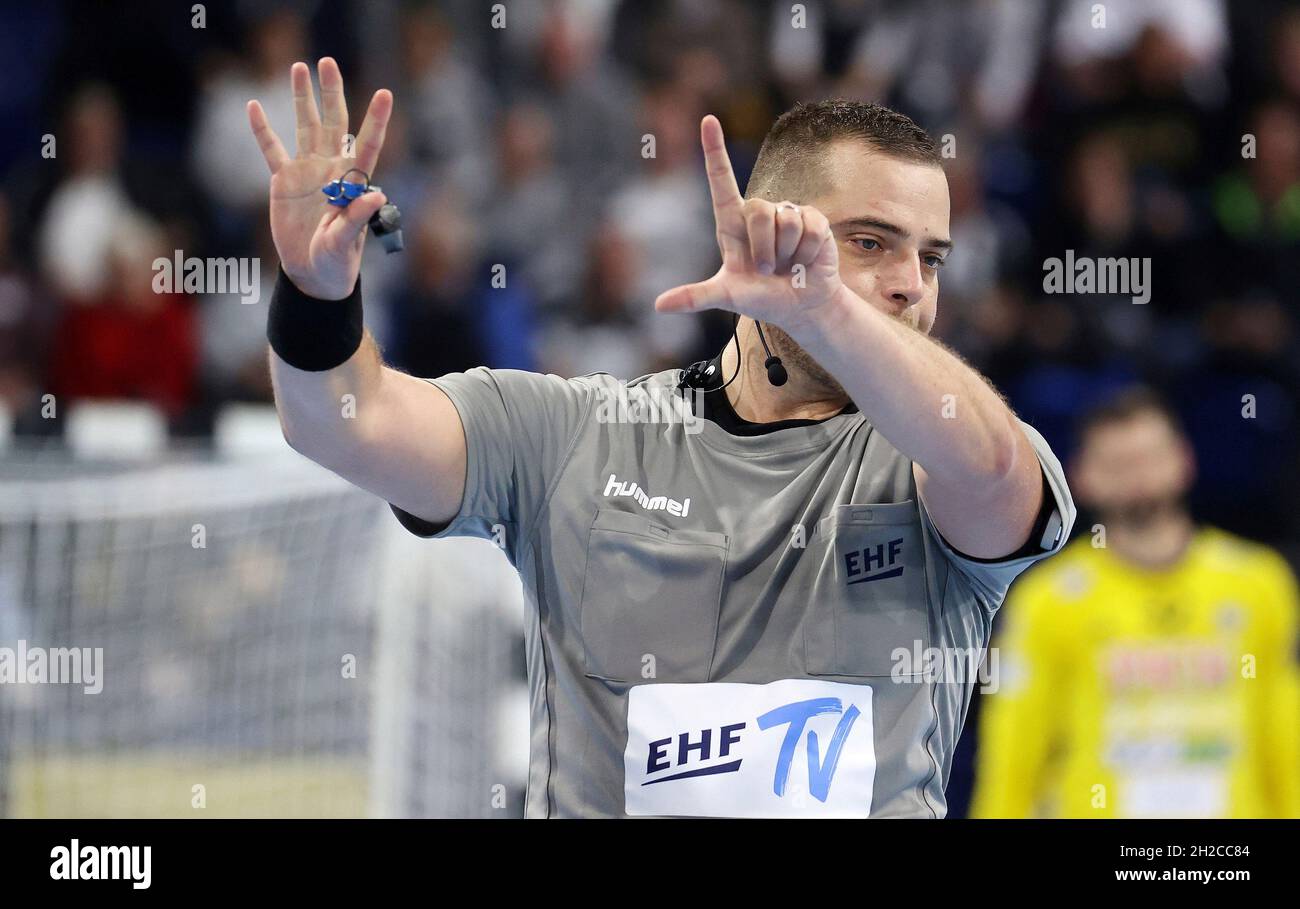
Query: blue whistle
[(340, 192)]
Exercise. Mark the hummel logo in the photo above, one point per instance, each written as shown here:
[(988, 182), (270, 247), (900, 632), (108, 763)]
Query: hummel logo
[(648, 502)]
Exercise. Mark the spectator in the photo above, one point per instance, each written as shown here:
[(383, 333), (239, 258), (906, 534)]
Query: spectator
[(76, 234), (532, 198), (449, 106), (226, 162), (599, 332), (131, 341), (25, 326), (665, 213)]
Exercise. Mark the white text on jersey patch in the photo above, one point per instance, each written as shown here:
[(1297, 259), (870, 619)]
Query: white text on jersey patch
[(650, 503)]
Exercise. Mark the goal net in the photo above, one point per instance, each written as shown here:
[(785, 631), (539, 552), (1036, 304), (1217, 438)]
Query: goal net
[(247, 637)]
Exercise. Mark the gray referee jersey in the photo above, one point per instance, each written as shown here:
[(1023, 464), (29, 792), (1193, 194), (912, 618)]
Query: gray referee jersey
[(724, 625)]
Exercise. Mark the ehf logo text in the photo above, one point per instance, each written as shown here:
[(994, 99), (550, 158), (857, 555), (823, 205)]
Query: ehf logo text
[(874, 563)]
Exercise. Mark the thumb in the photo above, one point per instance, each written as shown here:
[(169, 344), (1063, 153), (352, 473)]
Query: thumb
[(352, 222), (708, 294)]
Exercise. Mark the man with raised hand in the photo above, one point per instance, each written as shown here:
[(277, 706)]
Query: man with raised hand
[(750, 605)]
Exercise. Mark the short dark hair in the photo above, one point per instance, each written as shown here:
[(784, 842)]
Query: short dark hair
[(789, 165), (1126, 404)]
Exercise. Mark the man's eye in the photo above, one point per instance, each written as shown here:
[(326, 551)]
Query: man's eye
[(865, 240), (934, 261)]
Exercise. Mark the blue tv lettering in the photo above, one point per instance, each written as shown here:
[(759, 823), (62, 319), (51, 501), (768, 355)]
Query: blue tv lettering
[(819, 774), (797, 716)]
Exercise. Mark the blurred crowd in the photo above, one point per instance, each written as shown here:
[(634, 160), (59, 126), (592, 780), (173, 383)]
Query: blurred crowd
[(559, 156)]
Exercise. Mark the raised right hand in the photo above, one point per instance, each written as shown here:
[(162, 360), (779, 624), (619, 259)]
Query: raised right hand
[(320, 244)]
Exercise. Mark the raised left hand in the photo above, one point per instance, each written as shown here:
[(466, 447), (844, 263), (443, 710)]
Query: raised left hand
[(779, 260)]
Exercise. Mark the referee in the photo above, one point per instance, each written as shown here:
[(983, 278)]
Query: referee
[(734, 608)]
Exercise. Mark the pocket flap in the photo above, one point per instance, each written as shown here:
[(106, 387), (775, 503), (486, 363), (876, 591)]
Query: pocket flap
[(627, 522), (651, 596), (885, 513)]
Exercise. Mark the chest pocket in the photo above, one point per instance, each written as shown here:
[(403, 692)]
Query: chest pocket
[(650, 599), (871, 597)]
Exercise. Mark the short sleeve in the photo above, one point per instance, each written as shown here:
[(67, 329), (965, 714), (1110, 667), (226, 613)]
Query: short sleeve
[(991, 579), (520, 428)]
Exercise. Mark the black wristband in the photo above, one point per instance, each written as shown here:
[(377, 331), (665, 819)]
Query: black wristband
[(310, 334)]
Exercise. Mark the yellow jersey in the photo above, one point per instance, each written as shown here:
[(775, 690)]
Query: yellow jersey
[(1125, 692)]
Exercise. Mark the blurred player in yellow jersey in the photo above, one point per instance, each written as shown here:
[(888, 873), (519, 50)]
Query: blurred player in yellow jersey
[(1149, 669)]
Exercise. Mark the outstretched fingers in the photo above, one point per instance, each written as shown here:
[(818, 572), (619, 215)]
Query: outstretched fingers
[(270, 144), (334, 105), (710, 294), (728, 204), (370, 140), (308, 125)]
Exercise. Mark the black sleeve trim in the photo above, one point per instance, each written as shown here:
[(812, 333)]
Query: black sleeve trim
[(418, 526), (1032, 546)]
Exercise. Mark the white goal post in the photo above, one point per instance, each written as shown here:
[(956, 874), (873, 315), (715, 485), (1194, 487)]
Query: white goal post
[(267, 642)]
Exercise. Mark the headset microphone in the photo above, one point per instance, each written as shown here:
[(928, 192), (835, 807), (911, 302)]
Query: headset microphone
[(698, 374), (776, 373)]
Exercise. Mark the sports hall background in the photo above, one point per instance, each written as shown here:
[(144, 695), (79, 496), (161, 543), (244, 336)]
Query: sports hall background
[(523, 146)]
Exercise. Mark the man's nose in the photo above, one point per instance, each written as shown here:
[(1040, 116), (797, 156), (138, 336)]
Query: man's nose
[(904, 283)]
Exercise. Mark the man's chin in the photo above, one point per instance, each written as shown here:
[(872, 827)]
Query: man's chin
[(1142, 514), (796, 359)]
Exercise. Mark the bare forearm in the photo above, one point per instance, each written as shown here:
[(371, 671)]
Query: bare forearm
[(394, 435), (319, 411), (930, 405)]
